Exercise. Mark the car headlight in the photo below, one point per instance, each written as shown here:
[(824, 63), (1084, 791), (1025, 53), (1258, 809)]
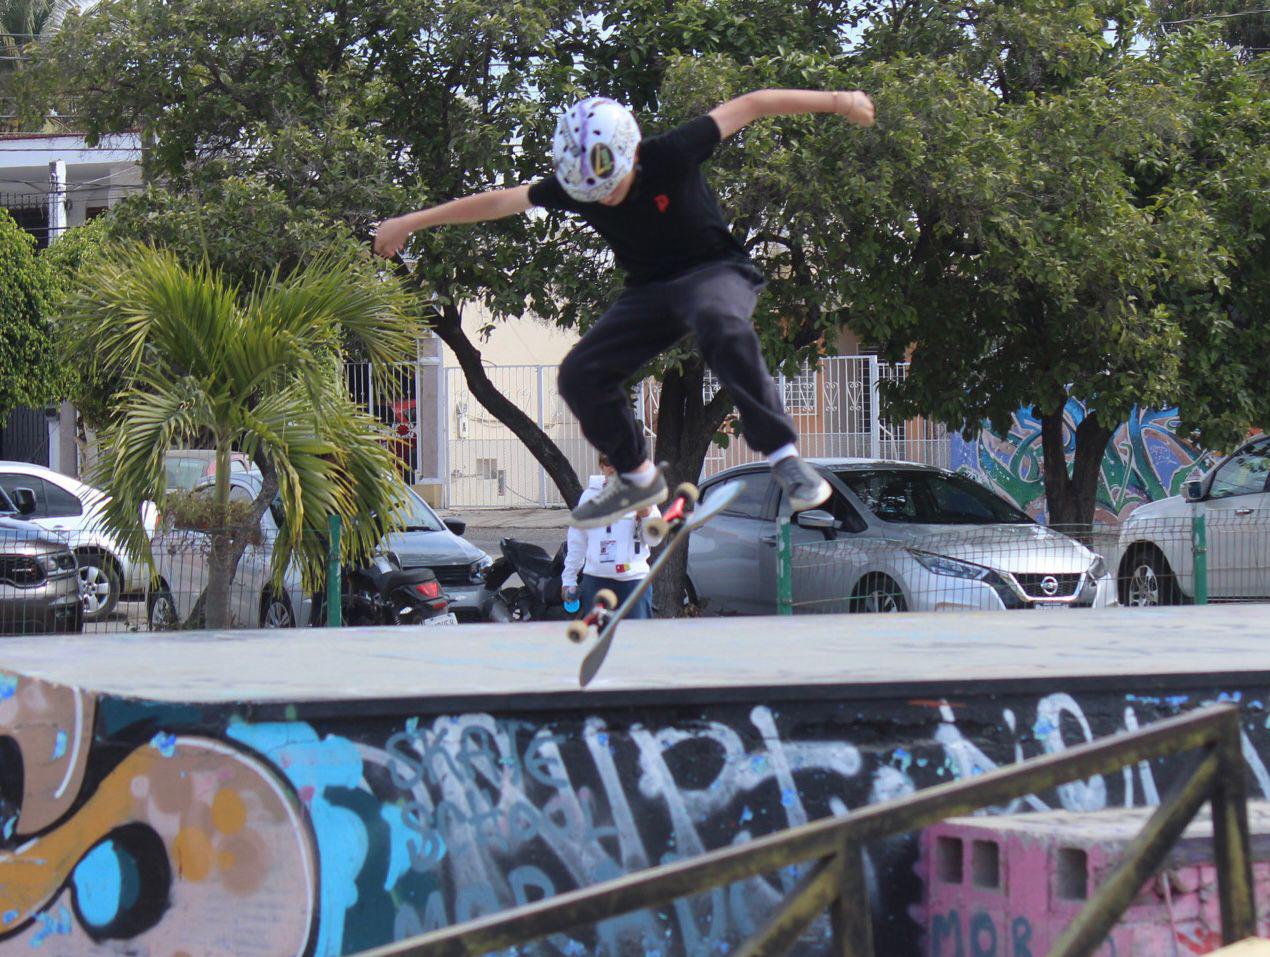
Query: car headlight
[(58, 563), (952, 567), (1098, 568), (476, 571)]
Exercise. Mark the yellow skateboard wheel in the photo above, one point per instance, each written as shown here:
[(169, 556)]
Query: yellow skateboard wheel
[(606, 598), (655, 531), (577, 631)]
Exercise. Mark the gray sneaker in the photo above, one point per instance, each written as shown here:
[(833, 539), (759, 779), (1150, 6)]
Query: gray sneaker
[(617, 498), (802, 484)]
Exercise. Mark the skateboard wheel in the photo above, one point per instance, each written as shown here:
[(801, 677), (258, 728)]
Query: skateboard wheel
[(655, 531), (688, 492), (576, 630), (606, 599)]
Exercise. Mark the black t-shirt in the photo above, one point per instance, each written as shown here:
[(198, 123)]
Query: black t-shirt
[(670, 221)]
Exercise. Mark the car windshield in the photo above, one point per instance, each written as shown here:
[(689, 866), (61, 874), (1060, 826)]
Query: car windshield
[(929, 498), (418, 516)]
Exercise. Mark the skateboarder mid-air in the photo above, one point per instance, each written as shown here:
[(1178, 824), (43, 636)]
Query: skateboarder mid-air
[(685, 273)]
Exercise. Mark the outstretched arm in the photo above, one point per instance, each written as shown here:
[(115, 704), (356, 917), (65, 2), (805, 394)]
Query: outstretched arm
[(855, 105), (392, 234)]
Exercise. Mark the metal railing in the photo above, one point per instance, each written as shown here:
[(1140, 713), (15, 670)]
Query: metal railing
[(836, 882)]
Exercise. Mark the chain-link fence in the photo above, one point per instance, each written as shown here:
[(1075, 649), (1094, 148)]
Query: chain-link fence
[(1219, 551), (46, 588)]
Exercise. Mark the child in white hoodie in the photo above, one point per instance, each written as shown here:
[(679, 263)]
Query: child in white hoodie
[(611, 556)]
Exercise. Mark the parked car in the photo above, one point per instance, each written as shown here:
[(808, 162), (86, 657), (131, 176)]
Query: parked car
[(71, 510), (185, 468), (181, 572), (39, 584), (428, 542), (425, 543), (1157, 561), (894, 536)]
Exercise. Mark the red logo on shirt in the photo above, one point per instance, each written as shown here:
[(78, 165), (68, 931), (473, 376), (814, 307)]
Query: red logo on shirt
[(662, 202)]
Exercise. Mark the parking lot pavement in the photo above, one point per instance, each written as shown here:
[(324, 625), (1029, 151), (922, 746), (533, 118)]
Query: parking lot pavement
[(545, 527)]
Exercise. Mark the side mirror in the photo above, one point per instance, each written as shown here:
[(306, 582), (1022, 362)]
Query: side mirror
[(24, 499), (456, 525), (1193, 491), (816, 518)]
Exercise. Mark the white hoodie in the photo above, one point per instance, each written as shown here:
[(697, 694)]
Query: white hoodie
[(613, 551)]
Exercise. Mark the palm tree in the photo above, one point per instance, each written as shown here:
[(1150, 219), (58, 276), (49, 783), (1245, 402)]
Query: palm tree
[(23, 23), (257, 371)]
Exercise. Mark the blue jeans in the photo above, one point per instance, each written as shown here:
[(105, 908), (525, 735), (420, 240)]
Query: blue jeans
[(588, 585)]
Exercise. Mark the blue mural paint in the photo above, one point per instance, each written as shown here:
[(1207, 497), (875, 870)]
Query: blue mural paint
[(98, 883), (8, 686), (164, 743), (313, 765), (1145, 460), (402, 841), (59, 745)]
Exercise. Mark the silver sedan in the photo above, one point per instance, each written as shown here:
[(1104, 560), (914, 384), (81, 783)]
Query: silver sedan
[(894, 536)]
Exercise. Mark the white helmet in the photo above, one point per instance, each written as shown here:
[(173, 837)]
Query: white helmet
[(594, 147)]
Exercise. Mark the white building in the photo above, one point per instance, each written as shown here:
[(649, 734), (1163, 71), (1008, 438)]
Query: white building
[(50, 183)]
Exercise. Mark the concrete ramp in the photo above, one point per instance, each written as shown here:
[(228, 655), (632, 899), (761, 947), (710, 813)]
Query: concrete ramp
[(324, 792)]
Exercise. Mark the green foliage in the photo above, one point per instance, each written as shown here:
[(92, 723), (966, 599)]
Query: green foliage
[(29, 371), (258, 371)]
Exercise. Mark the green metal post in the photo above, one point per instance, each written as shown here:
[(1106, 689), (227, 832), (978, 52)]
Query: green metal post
[(1199, 545), (334, 586), (784, 566)]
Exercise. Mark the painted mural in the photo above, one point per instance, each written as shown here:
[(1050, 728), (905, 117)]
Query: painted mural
[(1146, 460), (182, 831)]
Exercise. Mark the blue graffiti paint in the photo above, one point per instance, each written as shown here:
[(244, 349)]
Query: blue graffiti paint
[(8, 686), (51, 925), (313, 765), (59, 744), (164, 743), (401, 842), (98, 883)]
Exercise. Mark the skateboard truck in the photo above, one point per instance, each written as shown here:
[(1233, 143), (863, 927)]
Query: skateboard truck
[(605, 603), (681, 503)]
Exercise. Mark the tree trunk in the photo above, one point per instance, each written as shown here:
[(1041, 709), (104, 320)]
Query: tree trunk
[(685, 428), (1072, 497), (226, 550), (449, 327)]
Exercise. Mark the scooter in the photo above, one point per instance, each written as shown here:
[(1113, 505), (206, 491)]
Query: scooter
[(383, 593), (538, 597)]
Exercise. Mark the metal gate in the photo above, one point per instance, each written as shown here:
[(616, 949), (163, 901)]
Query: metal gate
[(834, 406)]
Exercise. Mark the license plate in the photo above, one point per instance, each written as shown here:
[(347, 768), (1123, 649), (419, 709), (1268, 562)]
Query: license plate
[(447, 619), (1050, 605)]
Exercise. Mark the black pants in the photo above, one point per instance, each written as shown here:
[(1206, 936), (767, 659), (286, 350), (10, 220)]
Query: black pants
[(713, 302)]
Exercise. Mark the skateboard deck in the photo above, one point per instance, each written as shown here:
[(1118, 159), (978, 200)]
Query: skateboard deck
[(674, 528)]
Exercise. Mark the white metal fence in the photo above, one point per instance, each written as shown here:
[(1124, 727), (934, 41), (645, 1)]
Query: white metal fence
[(834, 406)]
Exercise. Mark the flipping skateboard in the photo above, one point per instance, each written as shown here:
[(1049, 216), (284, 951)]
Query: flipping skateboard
[(672, 528)]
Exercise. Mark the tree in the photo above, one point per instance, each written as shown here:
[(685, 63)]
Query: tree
[(258, 370), (24, 23), (29, 371), (347, 110), (1045, 227)]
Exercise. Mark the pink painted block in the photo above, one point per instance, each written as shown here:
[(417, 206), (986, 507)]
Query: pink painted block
[(1008, 885)]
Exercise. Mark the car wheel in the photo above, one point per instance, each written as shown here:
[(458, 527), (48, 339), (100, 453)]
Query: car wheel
[(161, 610), (1147, 580), (275, 612), (99, 585), (876, 592)]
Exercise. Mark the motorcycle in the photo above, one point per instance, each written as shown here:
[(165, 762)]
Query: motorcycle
[(383, 593), (537, 598)]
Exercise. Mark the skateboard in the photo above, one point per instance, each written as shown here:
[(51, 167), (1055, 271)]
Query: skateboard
[(673, 527)]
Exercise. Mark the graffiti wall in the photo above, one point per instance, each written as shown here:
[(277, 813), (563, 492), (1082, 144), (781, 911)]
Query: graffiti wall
[(139, 829), (1145, 460)]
